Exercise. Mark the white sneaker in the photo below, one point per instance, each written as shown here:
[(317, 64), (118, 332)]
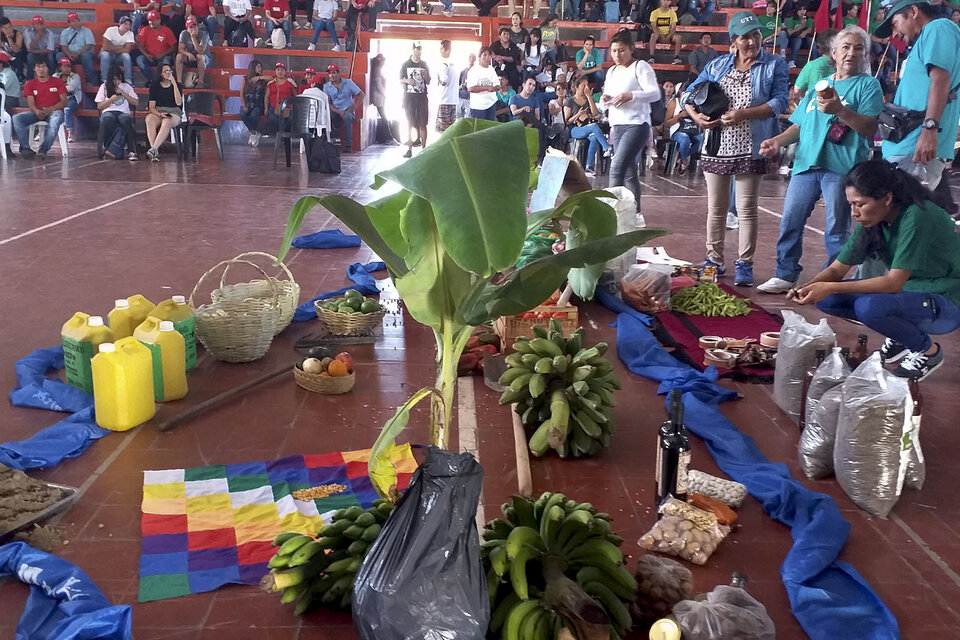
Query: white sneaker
[(449, 14), (784, 170), (311, 47), (258, 43), (733, 222), (256, 139), (337, 48), (776, 285), (250, 139), (791, 65)]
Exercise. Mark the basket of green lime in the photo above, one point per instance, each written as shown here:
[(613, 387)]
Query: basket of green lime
[(350, 315)]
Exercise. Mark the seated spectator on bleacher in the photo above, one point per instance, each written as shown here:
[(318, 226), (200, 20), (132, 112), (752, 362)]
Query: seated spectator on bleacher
[(237, 17), (46, 98), (518, 34), (879, 46), (568, 10), (663, 21), (504, 94), (12, 43), (252, 96), (683, 131), (140, 10), (114, 100), (772, 30), (851, 13), (701, 10), (156, 44), (550, 37), (76, 43), (590, 62), (700, 56), (955, 16), (525, 106), (165, 110), (10, 84), (344, 95), (355, 10), (557, 122), (534, 53), (193, 51), (482, 83), (116, 46), (174, 18), (278, 89), (506, 56), (74, 93), (277, 15), (324, 17), (581, 114), (822, 67), (41, 45), (800, 32), (204, 11), (307, 7)]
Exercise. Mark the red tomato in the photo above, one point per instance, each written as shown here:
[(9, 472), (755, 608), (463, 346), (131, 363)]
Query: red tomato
[(528, 314), (559, 315), (543, 314), (345, 358)]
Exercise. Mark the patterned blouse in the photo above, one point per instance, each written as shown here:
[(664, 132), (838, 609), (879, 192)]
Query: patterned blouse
[(734, 155)]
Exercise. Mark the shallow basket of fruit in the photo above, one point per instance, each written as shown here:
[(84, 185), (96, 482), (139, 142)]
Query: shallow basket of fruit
[(351, 315), (328, 375)]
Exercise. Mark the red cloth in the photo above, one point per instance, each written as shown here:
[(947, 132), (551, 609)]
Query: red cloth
[(201, 8), (156, 41), (865, 9), (45, 94), (277, 92), (821, 19), (276, 8)]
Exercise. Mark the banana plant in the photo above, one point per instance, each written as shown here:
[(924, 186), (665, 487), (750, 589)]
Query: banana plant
[(450, 238)]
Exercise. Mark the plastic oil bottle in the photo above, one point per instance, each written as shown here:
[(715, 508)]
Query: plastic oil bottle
[(169, 362), (180, 314), (121, 319), (123, 384), (81, 336), (140, 308)]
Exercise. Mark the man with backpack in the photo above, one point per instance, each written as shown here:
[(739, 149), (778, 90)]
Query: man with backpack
[(237, 24)]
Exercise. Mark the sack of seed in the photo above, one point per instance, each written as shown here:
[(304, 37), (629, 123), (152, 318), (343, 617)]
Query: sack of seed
[(876, 438), (796, 353), (820, 426)]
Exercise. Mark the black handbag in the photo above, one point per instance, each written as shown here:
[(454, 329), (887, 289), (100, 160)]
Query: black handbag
[(895, 122), (709, 99), (323, 156)]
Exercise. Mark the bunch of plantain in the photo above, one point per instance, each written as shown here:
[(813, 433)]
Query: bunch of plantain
[(310, 570), (563, 391), (564, 534)]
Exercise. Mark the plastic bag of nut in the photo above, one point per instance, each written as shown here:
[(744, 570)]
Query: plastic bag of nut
[(726, 491), (685, 532), (646, 288), (662, 583)]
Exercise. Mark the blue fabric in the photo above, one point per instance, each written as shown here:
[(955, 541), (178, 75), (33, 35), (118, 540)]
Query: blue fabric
[(35, 390), (329, 239), (364, 283), (828, 597), (64, 603)]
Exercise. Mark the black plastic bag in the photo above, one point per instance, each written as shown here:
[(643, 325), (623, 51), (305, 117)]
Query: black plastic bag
[(423, 578)]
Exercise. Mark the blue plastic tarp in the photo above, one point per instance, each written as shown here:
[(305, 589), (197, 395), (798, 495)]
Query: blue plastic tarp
[(328, 239), (364, 282), (64, 603), (829, 598), (34, 389)]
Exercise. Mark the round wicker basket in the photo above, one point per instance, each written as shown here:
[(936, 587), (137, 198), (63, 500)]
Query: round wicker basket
[(348, 324), (288, 291), (329, 385)]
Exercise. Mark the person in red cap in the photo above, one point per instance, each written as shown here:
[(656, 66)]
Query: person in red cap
[(115, 48), (194, 51), (279, 89), (76, 43), (12, 43), (309, 80), (74, 93), (205, 12), (141, 9), (344, 95), (41, 45), (46, 97), (156, 44)]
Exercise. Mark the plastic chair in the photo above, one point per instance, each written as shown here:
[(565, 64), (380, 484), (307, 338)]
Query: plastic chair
[(670, 151), (6, 125), (202, 103), (300, 123), (61, 134)]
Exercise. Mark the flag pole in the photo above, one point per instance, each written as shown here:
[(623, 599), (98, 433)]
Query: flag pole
[(883, 57), (813, 41), (776, 25)]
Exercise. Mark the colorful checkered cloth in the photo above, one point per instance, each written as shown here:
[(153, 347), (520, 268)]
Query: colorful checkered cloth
[(210, 526)]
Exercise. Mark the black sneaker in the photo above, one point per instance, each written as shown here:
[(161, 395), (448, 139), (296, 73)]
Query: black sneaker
[(917, 365), (26, 153), (408, 154), (891, 350)]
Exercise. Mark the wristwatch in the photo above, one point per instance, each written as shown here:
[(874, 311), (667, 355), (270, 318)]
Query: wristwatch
[(931, 125)]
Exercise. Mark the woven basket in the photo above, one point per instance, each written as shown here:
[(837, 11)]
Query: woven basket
[(288, 291), (236, 329), (348, 324), (329, 385)]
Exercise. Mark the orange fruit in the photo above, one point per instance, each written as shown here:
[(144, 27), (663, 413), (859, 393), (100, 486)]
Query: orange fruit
[(324, 373), (337, 368)]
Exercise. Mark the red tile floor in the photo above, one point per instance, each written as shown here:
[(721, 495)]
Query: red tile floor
[(76, 234)]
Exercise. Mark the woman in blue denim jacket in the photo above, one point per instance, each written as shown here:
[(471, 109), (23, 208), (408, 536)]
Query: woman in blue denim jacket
[(756, 85)]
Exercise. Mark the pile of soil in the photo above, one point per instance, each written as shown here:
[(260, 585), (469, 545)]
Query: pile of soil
[(22, 498)]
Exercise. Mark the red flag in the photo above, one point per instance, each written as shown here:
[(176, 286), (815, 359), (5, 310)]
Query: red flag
[(821, 21), (864, 20), (898, 44), (838, 17)]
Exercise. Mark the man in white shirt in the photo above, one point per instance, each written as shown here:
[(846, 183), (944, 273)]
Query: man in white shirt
[(324, 15), (237, 17), (448, 79), (115, 48)]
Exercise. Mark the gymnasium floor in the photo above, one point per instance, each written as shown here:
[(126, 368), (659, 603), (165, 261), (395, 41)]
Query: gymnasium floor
[(75, 234)]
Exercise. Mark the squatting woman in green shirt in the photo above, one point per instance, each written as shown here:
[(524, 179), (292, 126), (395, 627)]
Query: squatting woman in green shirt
[(920, 244)]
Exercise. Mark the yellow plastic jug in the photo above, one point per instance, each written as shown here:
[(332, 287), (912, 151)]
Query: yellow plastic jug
[(180, 314), (123, 384), (121, 319), (169, 362), (81, 336), (140, 308)]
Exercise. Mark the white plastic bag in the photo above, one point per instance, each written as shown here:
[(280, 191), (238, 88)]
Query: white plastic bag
[(820, 423), (646, 287), (796, 353), (628, 219), (728, 613)]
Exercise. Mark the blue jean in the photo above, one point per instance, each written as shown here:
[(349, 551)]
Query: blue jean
[(781, 42), (108, 60), (33, 58), (286, 31), (447, 5), (570, 9), (702, 16), (139, 19), (86, 59), (909, 317), (800, 43), (687, 144), (210, 22), (251, 117), (489, 113), (319, 26), (595, 77), (345, 124), (21, 125), (68, 113), (594, 134), (802, 195), (628, 140), (147, 66)]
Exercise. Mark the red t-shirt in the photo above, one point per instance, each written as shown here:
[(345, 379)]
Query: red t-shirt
[(45, 94), (156, 41), (141, 4), (201, 8), (277, 92), (276, 8)]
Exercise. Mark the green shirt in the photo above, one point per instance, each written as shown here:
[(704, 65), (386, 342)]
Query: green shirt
[(936, 46), (812, 71), (849, 21), (793, 23), (767, 25), (860, 93), (925, 241)]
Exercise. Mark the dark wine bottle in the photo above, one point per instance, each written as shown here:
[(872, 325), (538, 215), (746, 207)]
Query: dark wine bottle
[(860, 352), (673, 453), (805, 387)]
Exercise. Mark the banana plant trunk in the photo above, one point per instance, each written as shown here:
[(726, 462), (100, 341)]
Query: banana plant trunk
[(450, 346)]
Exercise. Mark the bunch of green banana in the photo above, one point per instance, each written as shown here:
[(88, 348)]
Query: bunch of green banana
[(567, 533), (563, 391), (309, 570)]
